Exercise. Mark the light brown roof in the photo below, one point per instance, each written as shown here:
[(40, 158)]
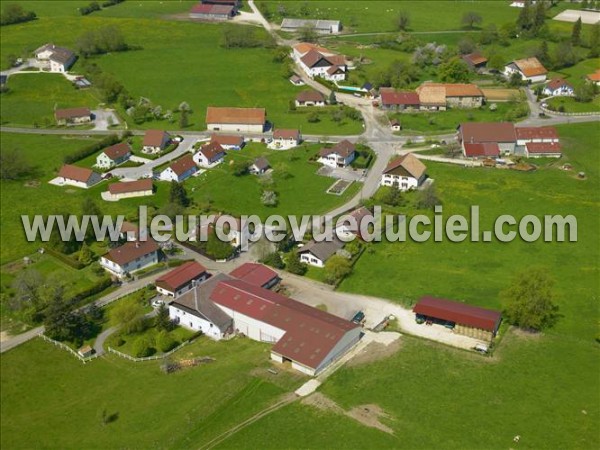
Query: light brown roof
[(75, 173), (310, 96), (61, 55), (118, 150), (406, 165), (249, 116), (224, 139), (312, 58), (71, 113), (182, 165), (305, 47), (130, 251), (154, 138), (475, 58), (261, 163), (454, 89), (286, 134), (344, 149), (530, 67), (432, 94), (123, 187)]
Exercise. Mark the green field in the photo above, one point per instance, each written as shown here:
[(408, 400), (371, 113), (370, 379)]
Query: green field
[(302, 193), (33, 98), (571, 106), (46, 386)]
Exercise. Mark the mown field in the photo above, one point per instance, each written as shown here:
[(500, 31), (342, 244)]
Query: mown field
[(568, 104), (51, 400)]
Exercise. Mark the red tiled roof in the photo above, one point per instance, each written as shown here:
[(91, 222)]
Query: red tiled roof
[(212, 150), (123, 187), (212, 9), (75, 173), (249, 116), (344, 149), (483, 149), (530, 67), (255, 274), (477, 132), (543, 147), (72, 113), (182, 165), (310, 334), (154, 138), (475, 58), (223, 139), (558, 83), (117, 151), (130, 251), (460, 313), (594, 76), (536, 133), (310, 96), (286, 134), (181, 276), (400, 98)]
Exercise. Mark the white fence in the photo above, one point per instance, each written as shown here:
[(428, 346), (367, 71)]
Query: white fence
[(148, 358), (69, 349)]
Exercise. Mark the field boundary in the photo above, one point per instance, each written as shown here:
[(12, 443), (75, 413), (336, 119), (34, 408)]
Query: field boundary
[(67, 348), (149, 358)]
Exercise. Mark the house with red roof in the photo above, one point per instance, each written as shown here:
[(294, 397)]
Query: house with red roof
[(527, 135), (209, 155), (529, 69), (80, 177), (179, 170), (155, 141), (113, 156), (130, 257), (475, 61), (399, 101), (317, 61), (256, 274), (181, 279), (481, 150), (543, 150), (558, 87)]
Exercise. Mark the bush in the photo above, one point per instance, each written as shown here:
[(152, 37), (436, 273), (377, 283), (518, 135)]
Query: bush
[(165, 342), (142, 347), (64, 258), (273, 260), (91, 149), (100, 286)]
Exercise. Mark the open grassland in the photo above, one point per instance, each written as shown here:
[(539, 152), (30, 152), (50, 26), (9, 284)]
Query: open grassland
[(181, 61), (577, 73), (542, 388), (51, 400), (45, 154), (571, 106), (476, 272), (299, 189), (33, 98)]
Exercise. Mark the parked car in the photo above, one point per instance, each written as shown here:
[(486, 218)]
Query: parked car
[(358, 318), (157, 303), (481, 348)]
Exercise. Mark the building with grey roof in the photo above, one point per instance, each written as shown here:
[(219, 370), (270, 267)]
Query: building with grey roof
[(320, 26)]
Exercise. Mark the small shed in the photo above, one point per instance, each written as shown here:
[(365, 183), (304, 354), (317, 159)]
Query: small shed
[(85, 351), (395, 125)]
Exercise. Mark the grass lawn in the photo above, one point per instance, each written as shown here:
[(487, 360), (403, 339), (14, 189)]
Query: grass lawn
[(45, 154), (43, 405), (179, 334), (577, 73), (34, 97), (447, 121), (570, 105), (302, 193)]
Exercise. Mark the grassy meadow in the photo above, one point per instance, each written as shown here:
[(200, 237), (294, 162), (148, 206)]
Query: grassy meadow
[(570, 105)]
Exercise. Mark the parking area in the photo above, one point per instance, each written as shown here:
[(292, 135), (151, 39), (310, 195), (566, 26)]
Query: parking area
[(343, 173)]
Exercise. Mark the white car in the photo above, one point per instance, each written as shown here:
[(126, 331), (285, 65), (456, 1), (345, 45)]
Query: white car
[(157, 303)]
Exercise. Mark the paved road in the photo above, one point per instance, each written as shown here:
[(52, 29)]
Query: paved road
[(102, 337)]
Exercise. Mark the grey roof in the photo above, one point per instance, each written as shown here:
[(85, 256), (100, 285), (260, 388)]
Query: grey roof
[(197, 302), (322, 250), (318, 24), (261, 163), (62, 55)]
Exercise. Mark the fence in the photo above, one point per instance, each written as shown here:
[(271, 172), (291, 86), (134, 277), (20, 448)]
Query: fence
[(148, 358), (566, 114), (67, 348)]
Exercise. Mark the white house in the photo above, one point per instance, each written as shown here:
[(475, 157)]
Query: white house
[(129, 189), (317, 253), (73, 116), (259, 166), (80, 177), (130, 257), (340, 155), (56, 59), (405, 173), (240, 120), (530, 69), (285, 139), (180, 170), (155, 141), (113, 156), (317, 61), (558, 87), (196, 311), (181, 279), (209, 155), (310, 98)]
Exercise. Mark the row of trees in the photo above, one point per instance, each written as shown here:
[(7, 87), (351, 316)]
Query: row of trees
[(14, 13), (102, 40), (245, 37)]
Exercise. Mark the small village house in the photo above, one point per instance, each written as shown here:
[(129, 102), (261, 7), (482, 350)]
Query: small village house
[(405, 173), (228, 142), (259, 166), (54, 58), (155, 141), (284, 139), (475, 61), (181, 279), (310, 98), (317, 61), (472, 321), (80, 177), (113, 156), (236, 230), (209, 155), (317, 253), (296, 80), (245, 120), (340, 155), (594, 77), (395, 125), (130, 257), (558, 88), (320, 26), (392, 100), (361, 215), (206, 11), (530, 70), (256, 275), (73, 116), (179, 170), (130, 189)]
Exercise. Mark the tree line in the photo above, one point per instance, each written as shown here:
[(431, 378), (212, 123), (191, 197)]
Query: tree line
[(13, 13)]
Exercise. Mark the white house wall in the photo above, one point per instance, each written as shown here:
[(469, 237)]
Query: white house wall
[(194, 323), (254, 329), (235, 127)]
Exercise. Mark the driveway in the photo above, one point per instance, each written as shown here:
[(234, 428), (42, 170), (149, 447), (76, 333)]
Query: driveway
[(340, 173), (104, 118)]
